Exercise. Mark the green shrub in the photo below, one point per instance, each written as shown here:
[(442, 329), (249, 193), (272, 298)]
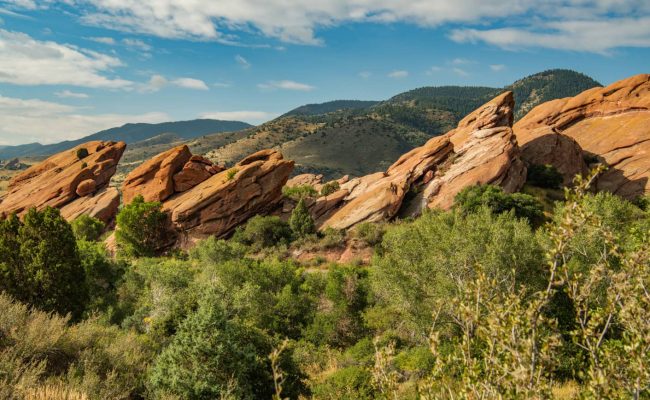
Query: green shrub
[(472, 198), (141, 228), (213, 250), (351, 383), (329, 188), (429, 259), (82, 153), (301, 222), (230, 175), (341, 323), (39, 262), (544, 176), (212, 356), (101, 273), (370, 232), (299, 192), (417, 360), (263, 231), (87, 228)]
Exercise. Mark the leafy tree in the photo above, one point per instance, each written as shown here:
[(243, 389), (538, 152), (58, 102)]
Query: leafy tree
[(211, 357), (141, 228), (101, 274), (87, 228), (544, 176), (301, 222), (40, 263), (434, 256), (341, 324), (263, 231), (526, 206)]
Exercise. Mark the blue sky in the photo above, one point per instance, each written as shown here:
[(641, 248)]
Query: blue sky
[(73, 67)]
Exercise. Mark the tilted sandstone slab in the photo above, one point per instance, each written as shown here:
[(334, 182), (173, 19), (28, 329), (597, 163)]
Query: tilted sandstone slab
[(195, 171), (56, 181), (103, 205), (222, 202), (154, 179), (481, 150), (610, 123)]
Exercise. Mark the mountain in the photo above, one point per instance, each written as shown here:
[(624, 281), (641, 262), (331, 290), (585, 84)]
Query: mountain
[(130, 133), (354, 137), (330, 106)]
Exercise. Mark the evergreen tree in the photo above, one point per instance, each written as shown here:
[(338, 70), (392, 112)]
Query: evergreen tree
[(301, 222), (141, 230), (40, 264)]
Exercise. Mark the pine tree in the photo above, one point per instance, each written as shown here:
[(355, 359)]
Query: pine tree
[(301, 222)]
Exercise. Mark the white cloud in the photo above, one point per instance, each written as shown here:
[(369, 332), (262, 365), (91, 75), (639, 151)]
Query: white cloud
[(103, 39), (242, 62), (399, 74), (33, 120), (157, 82), (433, 70), (365, 74), (190, 83), (222, 84), (65, 94), (619, 22), (27, 61), (460, 61), (460, 72), (286, 85), (136, 44), (497, 67), (252, 117), (598, 36)]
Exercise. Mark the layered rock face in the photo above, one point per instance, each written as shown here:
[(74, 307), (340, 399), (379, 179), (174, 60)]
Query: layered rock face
[(65, 181), (481, 150), (173, 171), (225, 200), (611, 123)]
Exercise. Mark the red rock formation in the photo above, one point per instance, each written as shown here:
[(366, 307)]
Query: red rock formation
[(195, 171), (481, 150), (225, 200), (154, 178), (103, 205), (57, 181), (612, 123)]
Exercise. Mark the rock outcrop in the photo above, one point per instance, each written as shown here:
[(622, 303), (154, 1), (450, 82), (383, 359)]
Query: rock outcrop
[(611, 124), (195, 171), (154, 179), (62, 180), (481, 150), (102, 205), (225, 200)]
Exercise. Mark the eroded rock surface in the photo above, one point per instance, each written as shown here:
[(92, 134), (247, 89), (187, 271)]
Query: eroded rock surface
[(225, 200), (481, 150), (610, 123), (60, 180)]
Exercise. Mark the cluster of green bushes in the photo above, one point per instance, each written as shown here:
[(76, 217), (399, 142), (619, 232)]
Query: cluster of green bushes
[(483, 301)]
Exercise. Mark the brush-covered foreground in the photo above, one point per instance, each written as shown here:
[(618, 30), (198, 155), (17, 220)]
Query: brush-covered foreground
[(496, 298)]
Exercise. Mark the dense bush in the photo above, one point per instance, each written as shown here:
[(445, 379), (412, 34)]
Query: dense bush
[(544, 176), (264, 231), (432, 258), (329, 188), (472, 198), (87, 228), (299, 192), (39, 262), (82, 153), (141, 228), (301, 221)]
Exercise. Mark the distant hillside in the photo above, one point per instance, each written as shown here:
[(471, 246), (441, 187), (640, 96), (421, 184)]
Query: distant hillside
[(330, 106), (355, 137), (130, 133), (548, 85)]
